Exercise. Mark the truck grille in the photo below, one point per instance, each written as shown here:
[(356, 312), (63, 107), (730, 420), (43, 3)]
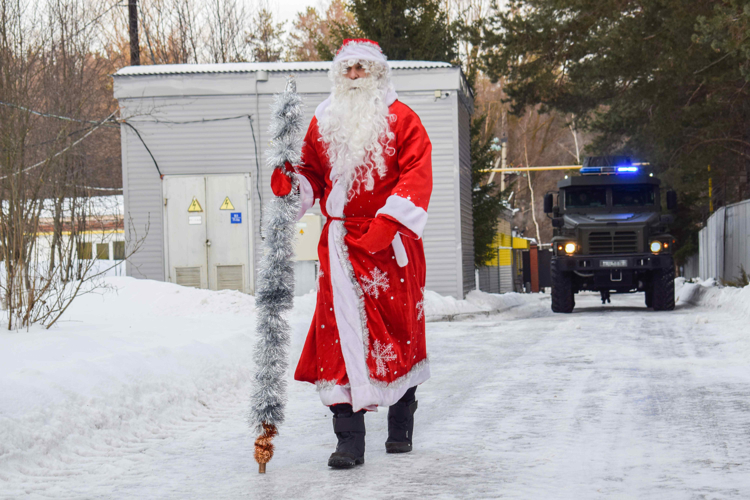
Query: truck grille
[(606, 242)]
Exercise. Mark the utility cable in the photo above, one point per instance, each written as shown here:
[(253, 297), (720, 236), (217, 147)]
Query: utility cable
[(124, 122), (50, 115), (62, 150), (257, 177), (203, 120)]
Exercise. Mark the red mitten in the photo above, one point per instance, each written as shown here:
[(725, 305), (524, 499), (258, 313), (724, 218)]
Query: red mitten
[(281, 183), (379, 235)]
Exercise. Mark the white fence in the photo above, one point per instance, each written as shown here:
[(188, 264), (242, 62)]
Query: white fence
[(725, 243)]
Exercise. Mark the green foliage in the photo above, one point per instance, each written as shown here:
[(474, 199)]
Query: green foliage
[(406, 29), (661, 80), (265, 37), (339, 32), (727, 31), (486, 198)]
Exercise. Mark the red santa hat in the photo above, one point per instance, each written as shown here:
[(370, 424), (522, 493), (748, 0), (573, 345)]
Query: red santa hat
[(361, 49)]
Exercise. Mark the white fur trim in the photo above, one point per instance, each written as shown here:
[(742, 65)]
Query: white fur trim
[(407, 213), (348, 308), (362, 51), (337, 198), (390, 97), (385, 396), (388, 395), (306, 196), (338, 394), (399, 251)]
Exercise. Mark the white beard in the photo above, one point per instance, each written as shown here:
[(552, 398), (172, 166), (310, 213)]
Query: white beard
[(355, 130)]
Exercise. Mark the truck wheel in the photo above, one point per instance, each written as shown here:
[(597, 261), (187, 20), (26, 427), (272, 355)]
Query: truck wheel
[(563, 297), (649, 297), (663, 289)]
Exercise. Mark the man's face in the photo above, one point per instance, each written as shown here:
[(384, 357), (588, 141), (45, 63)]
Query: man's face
[(355, 72)]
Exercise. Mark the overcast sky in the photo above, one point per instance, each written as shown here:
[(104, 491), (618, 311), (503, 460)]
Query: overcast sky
[(286, 10)]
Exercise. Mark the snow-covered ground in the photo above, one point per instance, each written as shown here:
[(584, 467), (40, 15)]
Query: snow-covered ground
[(142, 394)]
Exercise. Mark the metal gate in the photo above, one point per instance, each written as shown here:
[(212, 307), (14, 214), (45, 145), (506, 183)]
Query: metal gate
[(208, 234)]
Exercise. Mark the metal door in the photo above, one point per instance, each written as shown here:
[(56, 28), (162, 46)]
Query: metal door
[(185, 206), (228, 236)]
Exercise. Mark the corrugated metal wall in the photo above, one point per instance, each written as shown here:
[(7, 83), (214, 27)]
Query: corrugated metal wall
[(725, 243), (496, 279), (187, 149), (691, 268), (467, 219), (441, 235), (227, 147)]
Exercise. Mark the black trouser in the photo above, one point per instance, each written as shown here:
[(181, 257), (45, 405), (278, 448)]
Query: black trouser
[(345, 409)]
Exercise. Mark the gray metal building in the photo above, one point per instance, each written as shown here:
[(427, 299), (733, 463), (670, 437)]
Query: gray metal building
[(202, 126)]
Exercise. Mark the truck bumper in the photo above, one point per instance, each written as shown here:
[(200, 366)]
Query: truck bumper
[(606, 263)]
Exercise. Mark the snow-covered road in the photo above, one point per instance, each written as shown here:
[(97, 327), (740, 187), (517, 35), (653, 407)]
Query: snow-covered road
[(611, 401)]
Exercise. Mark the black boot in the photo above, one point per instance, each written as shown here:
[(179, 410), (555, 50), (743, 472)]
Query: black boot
[(350, 430), (401, 423)]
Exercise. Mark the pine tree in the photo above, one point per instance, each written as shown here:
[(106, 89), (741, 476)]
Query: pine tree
[(662, 80), (415, 30), (316, 36), (486, 198), (264, 37)]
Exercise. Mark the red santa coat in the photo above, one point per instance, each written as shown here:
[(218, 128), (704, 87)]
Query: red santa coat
[(366, 344)]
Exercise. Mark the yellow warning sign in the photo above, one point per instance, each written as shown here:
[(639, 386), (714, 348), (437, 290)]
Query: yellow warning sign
[(227, 205), (195, 206)]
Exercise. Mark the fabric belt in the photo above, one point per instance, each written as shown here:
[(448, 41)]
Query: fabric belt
[(399, 251), (350, 219)]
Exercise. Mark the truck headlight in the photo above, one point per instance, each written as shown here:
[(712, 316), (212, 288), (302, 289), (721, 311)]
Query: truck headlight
[(570, 248), (656, 246)]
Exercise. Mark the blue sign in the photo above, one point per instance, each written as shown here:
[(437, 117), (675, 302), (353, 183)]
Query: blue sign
[(236, 217)]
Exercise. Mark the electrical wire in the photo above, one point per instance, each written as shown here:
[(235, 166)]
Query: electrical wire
[(24, 170), (257, 178), (203, 120), (128, 123), (124, 122), (50, 115)]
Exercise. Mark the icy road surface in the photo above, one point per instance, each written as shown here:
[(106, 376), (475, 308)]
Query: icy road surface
[(611, 401)]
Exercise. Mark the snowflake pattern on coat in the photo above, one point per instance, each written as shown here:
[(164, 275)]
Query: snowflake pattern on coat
[(371, 285), (382, 353), (420, 307)]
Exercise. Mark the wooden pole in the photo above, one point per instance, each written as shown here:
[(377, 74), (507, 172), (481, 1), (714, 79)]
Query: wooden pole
[(710, 192), (135, 50)]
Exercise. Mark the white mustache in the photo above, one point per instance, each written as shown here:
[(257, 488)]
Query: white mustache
[(357, 84)]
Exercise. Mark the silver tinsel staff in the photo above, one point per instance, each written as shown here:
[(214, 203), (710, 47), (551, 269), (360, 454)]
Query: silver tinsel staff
[(275, 293)]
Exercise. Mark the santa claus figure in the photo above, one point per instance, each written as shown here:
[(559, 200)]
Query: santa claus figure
[(367, 159)]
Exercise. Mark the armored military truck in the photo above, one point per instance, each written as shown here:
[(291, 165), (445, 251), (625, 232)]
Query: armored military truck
[(610, 235)]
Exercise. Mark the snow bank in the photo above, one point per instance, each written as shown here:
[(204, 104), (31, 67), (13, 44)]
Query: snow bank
[(708, 294), (438, 307), (117, 363), (136, 359)]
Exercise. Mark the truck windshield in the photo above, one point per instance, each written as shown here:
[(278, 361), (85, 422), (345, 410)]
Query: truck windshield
[(637, 195), (585, 197)]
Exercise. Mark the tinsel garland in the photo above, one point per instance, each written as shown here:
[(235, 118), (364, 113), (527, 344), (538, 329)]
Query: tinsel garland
[(275, 292)]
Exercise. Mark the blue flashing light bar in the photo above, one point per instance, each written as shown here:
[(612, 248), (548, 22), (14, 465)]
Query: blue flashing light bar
[(609, 170)]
